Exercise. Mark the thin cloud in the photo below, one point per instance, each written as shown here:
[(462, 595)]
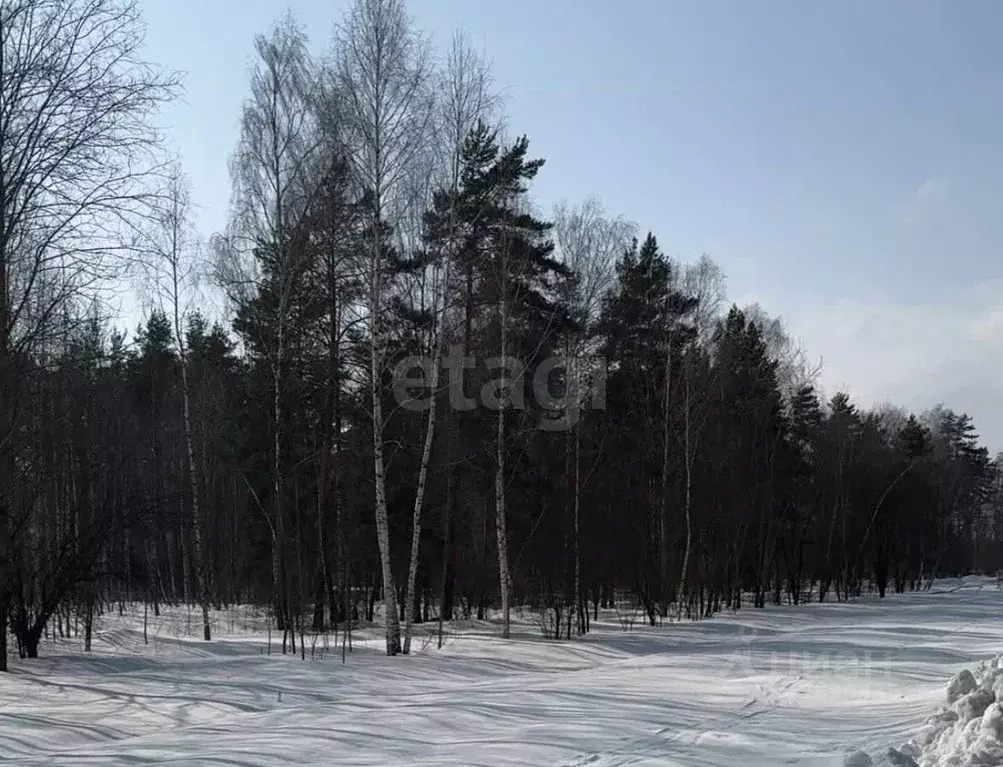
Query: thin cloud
[(932, 189)]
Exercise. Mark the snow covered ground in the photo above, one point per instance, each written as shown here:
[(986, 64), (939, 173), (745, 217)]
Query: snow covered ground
[(779, 686)]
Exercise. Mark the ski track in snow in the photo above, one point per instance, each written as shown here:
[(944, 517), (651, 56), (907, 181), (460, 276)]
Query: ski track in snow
[(779, 686)]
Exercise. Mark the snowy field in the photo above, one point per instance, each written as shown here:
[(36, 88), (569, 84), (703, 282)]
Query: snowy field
[(779, 686)]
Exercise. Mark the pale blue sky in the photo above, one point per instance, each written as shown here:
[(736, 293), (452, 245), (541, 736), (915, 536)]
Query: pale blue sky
[(840, 160)]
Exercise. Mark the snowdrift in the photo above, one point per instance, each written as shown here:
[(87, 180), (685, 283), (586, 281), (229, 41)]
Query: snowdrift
[(966, 732)]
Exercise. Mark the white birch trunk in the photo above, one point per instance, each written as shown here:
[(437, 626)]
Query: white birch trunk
[(201, 576), (423, 469), (578, 494), (382, 522), (278, 527), (663, 509), (177, 220), (503, 569), (688, 450)]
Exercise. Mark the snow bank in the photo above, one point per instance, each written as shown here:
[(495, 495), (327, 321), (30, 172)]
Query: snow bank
[(967, 732)]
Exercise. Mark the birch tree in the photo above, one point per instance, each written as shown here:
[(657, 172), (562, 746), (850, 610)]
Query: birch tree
[(382, 72), (333, 227), (694, 414), (173, 273), (704, 282), (271, 173), (588, 242), (525, 283), (465, 98), (501, 532)]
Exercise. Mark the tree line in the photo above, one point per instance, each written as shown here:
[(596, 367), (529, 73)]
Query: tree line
[(423, 393)]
